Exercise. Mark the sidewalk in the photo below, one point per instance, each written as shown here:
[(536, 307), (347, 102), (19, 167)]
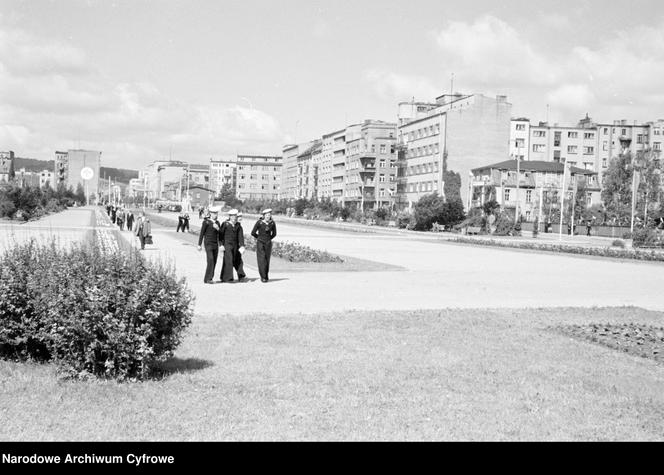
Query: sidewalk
[(437, 276)]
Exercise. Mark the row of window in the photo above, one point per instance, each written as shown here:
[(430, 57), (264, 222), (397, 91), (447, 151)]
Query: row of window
[(570, 149), (422, 187), (255, 177), (423, 151), (259, 168), (424, 132), (254, 186), (431, 167), (570, 135)]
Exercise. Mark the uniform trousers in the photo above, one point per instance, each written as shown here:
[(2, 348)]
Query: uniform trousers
[(263, 254), (211, 252)]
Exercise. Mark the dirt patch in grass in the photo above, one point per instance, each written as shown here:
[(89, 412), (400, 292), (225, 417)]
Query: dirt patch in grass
[(646, 341)]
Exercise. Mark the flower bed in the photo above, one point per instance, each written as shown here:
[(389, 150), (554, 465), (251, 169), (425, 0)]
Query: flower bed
[(91, 308), (642, 255), (294, 252), (640, 340)]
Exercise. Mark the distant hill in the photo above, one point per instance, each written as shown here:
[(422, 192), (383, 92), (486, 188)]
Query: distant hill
[(120, 175)]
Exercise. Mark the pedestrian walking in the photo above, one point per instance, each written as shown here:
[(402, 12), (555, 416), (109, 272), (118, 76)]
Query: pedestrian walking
[(210, 235), (120, 216), (589, 226), (130, 220), (200, 212), (265, 230), (143, 230), (240, 267), (185, 223), (113, 214), (180, 222), (231, 238)]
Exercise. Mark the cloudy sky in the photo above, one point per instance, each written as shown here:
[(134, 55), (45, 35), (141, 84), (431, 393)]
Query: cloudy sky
[(148, 79)]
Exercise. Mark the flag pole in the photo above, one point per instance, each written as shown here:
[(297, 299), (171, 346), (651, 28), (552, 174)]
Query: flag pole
[(562, 202)]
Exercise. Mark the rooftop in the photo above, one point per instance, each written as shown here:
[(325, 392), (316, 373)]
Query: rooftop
[(534, 166)]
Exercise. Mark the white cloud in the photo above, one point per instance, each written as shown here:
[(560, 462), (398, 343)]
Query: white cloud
[(392, 86), (53, 97), (490, 52)]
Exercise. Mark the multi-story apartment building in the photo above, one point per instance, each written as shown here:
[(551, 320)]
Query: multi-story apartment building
[(456, 133), (356, 165), (371, 164), (258, 177), (7, 172), (223, 172), (587, 145), (198, 175), (333, 145), (538, 181), (68, 166)]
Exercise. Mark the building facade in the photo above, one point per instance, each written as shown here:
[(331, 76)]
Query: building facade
[(539, 186), (587, 145), (222, 172), (457, 133), (258, 177), (7, 172), (68, 166)]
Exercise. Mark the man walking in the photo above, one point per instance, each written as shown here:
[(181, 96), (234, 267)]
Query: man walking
[(143, 229), (130, 220), (265, 230), (210, 234), (185, 223), (232, 245)]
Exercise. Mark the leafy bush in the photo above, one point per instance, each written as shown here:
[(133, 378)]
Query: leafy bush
[(618, 243), (405, 219), (434, 209), (640, 255), (648, 238), (109, 314)]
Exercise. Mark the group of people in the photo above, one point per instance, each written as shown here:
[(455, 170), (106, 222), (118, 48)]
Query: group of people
[(183, 222), (228, 238), (141, 226)]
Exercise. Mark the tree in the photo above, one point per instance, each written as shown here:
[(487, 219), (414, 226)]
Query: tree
[(452, 185), (617, 182), (80, 194), (434, 209)]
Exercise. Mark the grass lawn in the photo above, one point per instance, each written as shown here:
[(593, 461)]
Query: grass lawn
[(441, 375)]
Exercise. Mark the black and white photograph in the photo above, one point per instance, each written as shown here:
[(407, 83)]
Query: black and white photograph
[(329, 221)]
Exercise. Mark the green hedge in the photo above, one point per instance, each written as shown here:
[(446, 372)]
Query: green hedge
[(641, 255), (110, 314), (294, 252)]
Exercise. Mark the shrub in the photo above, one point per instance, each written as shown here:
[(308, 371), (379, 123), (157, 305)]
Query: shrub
[(7, 208), (648, 238), (536, 227), (294, 252), (110, 314), (618, 243), (434, 209)]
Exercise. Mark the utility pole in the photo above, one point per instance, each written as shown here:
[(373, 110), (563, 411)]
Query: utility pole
[(562, 202), (518, 179)]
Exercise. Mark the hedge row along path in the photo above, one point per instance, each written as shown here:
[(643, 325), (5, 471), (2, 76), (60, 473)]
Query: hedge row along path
[(436, 275)]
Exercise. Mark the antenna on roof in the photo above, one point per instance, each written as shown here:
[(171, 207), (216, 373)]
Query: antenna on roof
[(452, 85)]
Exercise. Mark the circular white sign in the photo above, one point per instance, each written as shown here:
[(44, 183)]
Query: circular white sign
[(87, 173)]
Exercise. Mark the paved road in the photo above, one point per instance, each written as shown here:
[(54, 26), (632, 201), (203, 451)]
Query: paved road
[(437, 275)]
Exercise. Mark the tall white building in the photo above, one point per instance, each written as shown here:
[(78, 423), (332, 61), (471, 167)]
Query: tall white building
[(456, 133)]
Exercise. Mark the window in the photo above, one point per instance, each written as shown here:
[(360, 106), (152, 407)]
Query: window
[(604, 163), (605, 145), (520, 126), (657, 145), (252, 177), (656, 132), (572, 135), (519, 143), (538, 147), (507, 195), (588, 150), (373, 148), (624, 132), (529, 196), (572, 149), (606, 130), (383, 148), (589, 136), (539, 133), (382, 163)]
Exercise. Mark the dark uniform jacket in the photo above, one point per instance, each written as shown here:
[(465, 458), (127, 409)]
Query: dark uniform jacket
[(231, 235), (264, 231), (209, 233)]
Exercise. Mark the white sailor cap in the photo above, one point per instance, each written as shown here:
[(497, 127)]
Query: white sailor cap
[(232, 212), (268, 210), (214, 209)]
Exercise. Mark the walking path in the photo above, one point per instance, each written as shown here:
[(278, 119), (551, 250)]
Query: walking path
[(438, 275)]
